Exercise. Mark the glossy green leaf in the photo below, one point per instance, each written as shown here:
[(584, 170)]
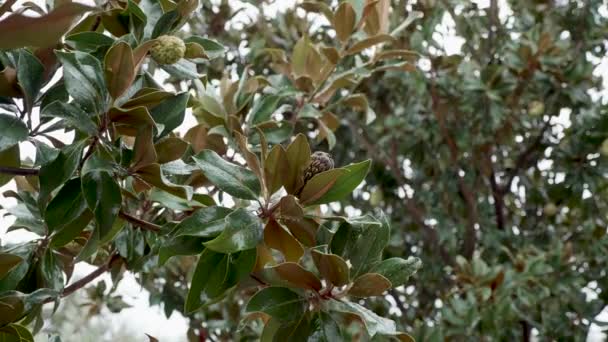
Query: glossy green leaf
[(344, 21), (296, 276), (103, 197), (181, 245), (345, 183), (209, 280), (13, 305), (296, 331), (119, 69), (10, 157), (8, 262), (15, 333), (263, 108), (243, 231), (369, 285), (50, 272), (170, 113), (278, 302), (123, 21), (12, 131), (331, 267), (367, 250), (67, 205), (373, 323), (72, 114), (205, 222), (165, 24), (278, 238), (276, 167), (84, 80), (233, 179), (170, 149), (182, 70), (298, 157), (319, 185), (398, 270), (153, 175), (57, 172), (88, 41), (328, 329), (212, 48), (71, 230), (30, 74)]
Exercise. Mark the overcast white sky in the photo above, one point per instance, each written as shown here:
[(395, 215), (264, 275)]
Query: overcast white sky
[(141, 318)]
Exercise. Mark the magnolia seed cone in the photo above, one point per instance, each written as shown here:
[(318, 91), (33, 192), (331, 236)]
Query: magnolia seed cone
[(168, 50), (319, 162)]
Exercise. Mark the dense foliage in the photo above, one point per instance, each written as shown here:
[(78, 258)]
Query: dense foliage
[(242, 189), (485, 166)]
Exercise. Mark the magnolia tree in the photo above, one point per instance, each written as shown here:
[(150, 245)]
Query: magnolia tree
[(233, 223)]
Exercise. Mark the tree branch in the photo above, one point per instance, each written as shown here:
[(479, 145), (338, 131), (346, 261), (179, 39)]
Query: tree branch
[(470, 236), (139, 222), (430, 236), (523, 159), (18, 171), (398, 301), (499, 202), (77, 285)]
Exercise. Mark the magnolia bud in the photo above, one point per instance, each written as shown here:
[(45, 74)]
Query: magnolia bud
[(604, 148), (376, 197), (168, 50), (536, 108), (550, 209), (319, 162)]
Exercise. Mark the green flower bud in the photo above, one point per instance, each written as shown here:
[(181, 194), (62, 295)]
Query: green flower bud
[(376, 197), (604, 148), (536, 108), (168, 50), (550, 209)]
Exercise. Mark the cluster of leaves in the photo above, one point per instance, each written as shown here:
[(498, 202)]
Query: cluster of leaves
[(129, 192), (494, 151)]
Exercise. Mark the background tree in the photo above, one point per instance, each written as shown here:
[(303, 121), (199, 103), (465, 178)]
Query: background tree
[(489, 162), (241, 189)]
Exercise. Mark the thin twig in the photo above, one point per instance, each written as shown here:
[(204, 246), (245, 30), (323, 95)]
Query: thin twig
[(523, 159), (499, 202), (139, 222), (398, 301), (75, 286)]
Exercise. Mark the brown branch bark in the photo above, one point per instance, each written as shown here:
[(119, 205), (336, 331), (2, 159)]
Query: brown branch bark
[(398, 301), (526, 331), (139, 222), (75, 286), (499, 202), (470, 236), (430, 236), (18, 171)]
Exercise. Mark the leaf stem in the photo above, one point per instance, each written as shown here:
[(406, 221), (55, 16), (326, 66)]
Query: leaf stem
[(139, 222)]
